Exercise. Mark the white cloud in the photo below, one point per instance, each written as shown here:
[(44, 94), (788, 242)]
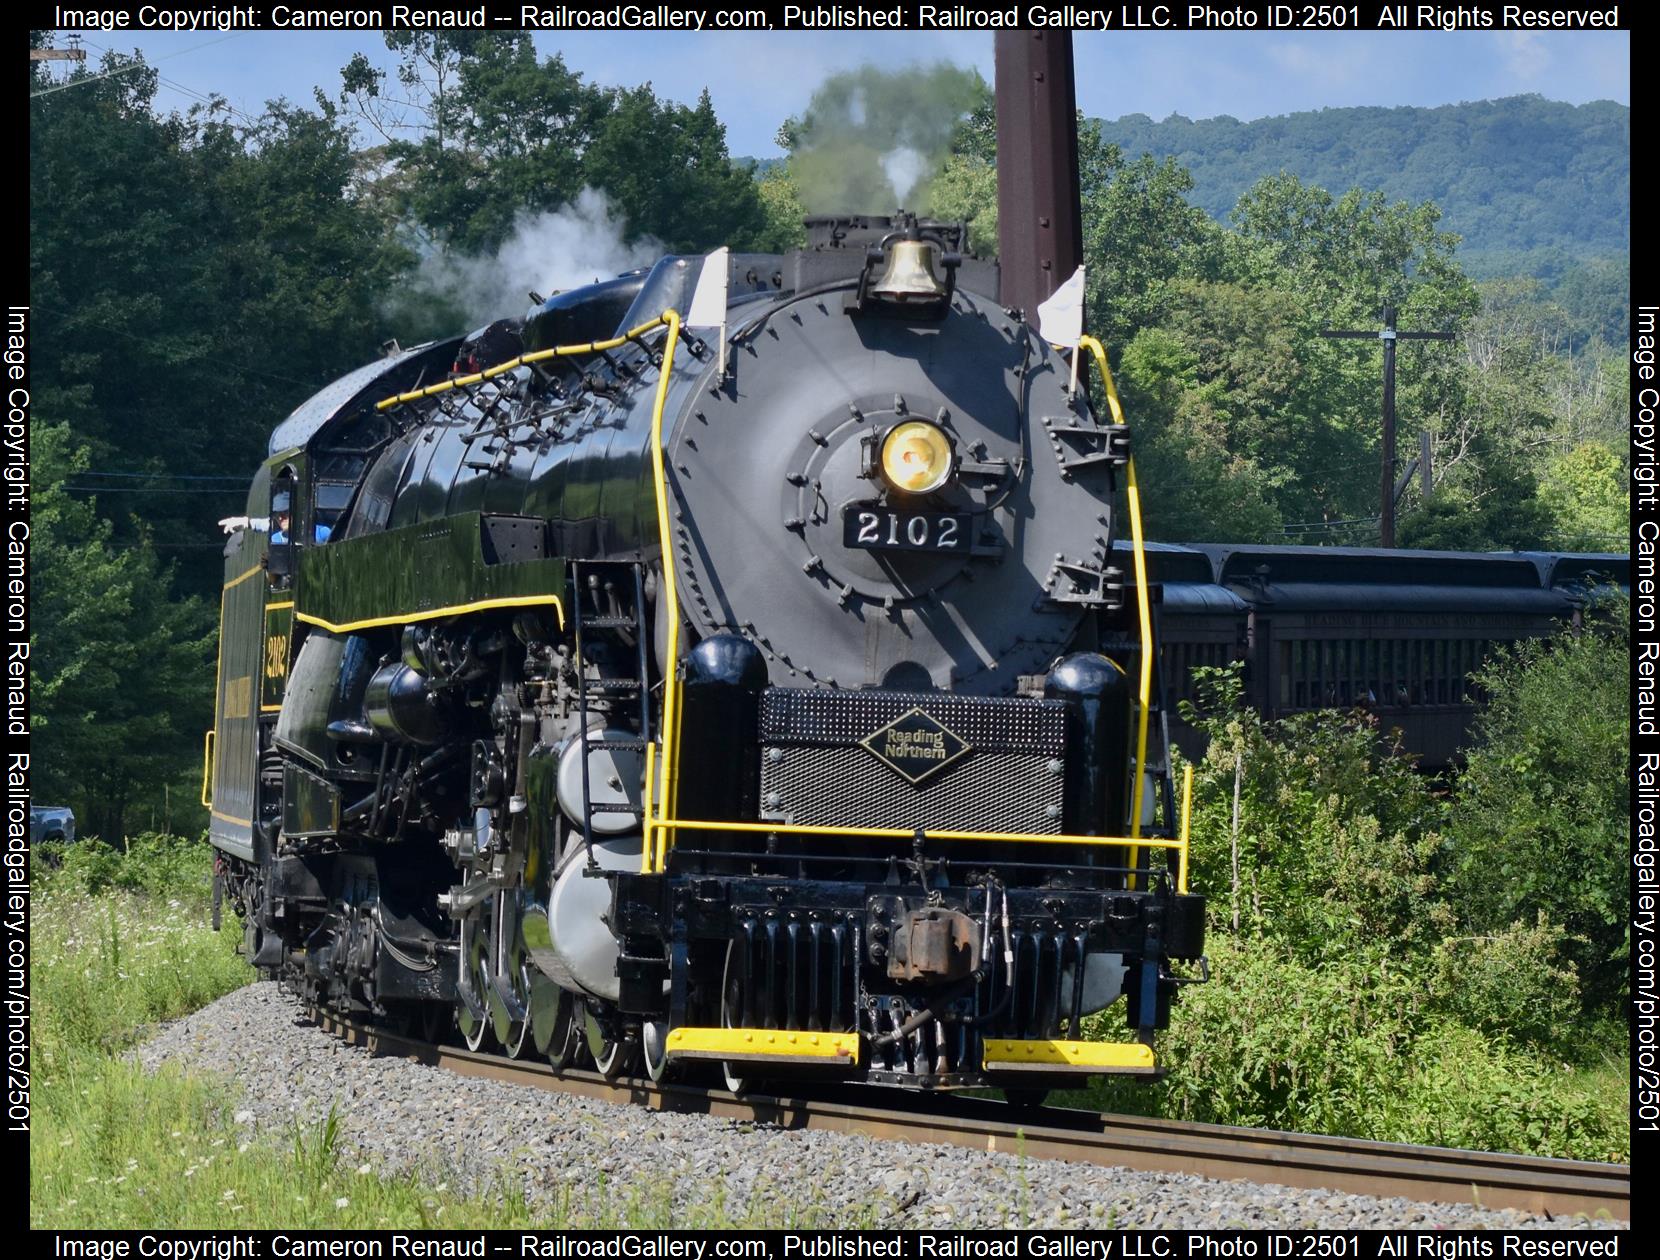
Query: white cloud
[(1525, 54)]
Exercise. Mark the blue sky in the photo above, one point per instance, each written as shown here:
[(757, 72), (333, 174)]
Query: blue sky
[(758, 78)]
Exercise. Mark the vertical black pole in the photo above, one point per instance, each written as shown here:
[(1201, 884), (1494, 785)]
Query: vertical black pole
[(1386, 519), (1039, 222), (1389, 335)]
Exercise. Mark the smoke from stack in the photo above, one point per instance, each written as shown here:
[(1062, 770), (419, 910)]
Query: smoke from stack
[(547, 251), (872, 140)]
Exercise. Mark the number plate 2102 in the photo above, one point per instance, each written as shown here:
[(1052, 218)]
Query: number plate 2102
[(884, 529)]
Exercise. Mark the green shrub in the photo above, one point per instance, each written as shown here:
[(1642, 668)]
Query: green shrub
[(1356, 1046), (1338, 836), (1380, 982), (1516, 984), (1543, 818), (156, 863), (1463, 1090)]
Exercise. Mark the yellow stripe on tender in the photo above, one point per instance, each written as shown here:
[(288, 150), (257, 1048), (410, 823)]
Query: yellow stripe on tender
[(1063, 1056), (764, 1043), (398, 619)]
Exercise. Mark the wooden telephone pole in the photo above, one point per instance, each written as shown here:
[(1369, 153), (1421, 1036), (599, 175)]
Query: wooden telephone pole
[(1389, 335), (73, 53)]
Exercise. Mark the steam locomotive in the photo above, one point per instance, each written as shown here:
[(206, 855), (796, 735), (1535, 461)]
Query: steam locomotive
[(769, 698)]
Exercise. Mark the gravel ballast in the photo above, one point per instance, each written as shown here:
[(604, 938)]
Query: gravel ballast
[(591, 1158)]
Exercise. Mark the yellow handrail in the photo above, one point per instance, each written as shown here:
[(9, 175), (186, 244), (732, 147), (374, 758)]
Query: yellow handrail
[(207, 768), (654, 841), (902, 833), (647, 856), (1144, 610), (1187, 818), (535, 356)]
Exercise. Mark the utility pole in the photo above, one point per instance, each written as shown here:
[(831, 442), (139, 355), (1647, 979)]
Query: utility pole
[(73, 53), (1388, 335)]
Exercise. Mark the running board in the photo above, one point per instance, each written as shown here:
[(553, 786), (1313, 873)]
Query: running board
[(1123, 1057), (770, 1045)]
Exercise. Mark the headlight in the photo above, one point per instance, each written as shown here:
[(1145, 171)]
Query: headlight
[(916, 457)]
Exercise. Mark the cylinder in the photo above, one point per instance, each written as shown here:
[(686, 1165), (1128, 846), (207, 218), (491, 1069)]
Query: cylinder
[(400, 706)]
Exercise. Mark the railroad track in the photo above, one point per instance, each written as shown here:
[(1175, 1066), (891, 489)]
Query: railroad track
[(1350, 1165)]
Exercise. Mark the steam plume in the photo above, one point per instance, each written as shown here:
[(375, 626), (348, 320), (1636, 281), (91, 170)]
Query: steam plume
[(871, 140), (546, 251)]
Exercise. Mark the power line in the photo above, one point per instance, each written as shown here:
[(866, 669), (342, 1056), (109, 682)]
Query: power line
[(207, 99), (163, 79), (95, 472), (152, 490), (236, 369), (93, 78)]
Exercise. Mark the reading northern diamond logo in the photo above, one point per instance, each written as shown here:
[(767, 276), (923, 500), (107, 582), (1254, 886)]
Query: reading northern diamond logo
[(915, 746)]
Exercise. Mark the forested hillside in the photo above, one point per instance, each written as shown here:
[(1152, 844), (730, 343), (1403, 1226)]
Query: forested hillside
[(1526, 182)]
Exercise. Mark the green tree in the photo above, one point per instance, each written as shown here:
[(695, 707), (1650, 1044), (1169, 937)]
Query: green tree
[(121, 673), (1202, 487), (193, 278), (965, 190), (482, 130), (1588, 493), (782, 230), (477, 129), (1140, 235), (666, 168), (1543, 815), (1522, 410)]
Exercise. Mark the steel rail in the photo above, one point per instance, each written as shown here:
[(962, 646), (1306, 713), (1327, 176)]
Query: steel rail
[(1305, 1161)]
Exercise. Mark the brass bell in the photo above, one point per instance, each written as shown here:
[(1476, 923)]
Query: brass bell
[(909, 276)]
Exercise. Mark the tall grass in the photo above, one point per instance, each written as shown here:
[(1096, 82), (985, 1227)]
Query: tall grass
[(122, 943)]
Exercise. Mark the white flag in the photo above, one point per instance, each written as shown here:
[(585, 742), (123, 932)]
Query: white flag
[(708, 309), (1061, 318)]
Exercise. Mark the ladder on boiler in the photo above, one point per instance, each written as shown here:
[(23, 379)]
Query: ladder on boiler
[(609, 596)]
